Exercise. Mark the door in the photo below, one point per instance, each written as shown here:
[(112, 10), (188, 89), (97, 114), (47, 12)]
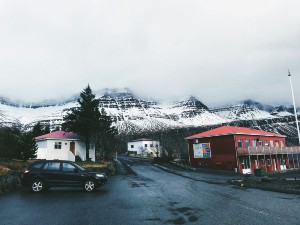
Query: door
[(72, 147), (282, 164), (51, 172), (71, 175), (246, 165)]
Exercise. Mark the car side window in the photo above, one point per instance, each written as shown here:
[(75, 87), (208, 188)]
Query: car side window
[(67, 167), (38, 165), (53, 166)]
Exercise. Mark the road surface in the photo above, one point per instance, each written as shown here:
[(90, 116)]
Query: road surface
[(142, 193)]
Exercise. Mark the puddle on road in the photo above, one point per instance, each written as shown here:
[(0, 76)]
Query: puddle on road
[(137, 185), (173, 203), (154, 219), (186, 214), (183, 215), (184, 209), (179, 220)]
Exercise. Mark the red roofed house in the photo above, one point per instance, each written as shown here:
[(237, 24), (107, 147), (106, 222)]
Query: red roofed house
[(241, 149), (62, 145), (143, 146)]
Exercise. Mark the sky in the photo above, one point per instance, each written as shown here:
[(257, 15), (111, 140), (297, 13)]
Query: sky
[(218, 51)]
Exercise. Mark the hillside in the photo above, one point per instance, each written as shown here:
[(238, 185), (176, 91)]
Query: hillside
[(132, 115)]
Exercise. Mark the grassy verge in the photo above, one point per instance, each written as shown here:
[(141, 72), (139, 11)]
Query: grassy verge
[(102, 166), (13, 166)]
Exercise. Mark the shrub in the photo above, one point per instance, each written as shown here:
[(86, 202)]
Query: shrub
[(10, 182)]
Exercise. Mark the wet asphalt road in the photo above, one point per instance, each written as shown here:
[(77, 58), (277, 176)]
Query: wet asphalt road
[(144, 194)]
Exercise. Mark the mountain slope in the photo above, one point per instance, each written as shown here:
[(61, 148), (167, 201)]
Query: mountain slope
[(129, 114), (134, 115)]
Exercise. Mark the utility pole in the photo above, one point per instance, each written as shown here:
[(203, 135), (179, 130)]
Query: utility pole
[(295, 111)]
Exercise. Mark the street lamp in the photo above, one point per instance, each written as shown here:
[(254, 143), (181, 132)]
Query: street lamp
[(295, 111)]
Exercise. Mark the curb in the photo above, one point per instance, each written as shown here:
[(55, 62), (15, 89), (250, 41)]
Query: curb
[(285, 191), (229, 182)]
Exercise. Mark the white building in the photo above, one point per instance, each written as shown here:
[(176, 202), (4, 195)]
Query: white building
[(62, 145), (143, 146)]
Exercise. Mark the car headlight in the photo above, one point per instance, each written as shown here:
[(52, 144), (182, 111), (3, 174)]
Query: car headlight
[(100, 175)]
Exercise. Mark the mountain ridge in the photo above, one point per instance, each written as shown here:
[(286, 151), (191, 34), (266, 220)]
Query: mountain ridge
[(131, 114)]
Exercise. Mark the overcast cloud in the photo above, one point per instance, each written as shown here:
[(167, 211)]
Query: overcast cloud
[(219, 51)]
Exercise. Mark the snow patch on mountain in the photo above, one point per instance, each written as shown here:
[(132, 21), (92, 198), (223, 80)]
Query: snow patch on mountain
[(242, 112), (131, 114)]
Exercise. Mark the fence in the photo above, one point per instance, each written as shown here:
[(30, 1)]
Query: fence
[(262, 150)]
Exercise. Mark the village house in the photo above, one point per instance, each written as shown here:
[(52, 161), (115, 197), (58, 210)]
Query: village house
[(63, 145), (144, 147), (241, 149)]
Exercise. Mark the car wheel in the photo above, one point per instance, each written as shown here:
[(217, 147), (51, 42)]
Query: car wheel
[(38, 185), (89, 185)]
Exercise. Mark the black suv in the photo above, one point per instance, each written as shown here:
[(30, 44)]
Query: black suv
[(41, 175)]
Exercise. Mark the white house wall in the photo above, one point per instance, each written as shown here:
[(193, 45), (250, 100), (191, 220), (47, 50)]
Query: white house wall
[(139, 146), (80, 151), (46, 150)]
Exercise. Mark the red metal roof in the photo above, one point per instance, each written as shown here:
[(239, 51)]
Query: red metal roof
[(59, 135), (142, 139), (229, 130)]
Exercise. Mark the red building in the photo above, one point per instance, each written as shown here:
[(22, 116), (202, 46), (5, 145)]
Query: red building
[(240, 149)]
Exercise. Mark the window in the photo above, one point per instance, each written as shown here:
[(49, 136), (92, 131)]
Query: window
[(151, 145), (253, 143), (38, 165), (269, 162), (263, 162), (272, 143), (266, 143), (132, 146), (67, 167), (91, 146), (240, 143), (57, 145), (54, 166), (259, 142), (146, 145), (276, 143), (42, 144), (247, 142)]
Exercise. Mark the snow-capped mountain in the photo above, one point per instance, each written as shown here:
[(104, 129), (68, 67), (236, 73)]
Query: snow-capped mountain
[(242, 112), (131, 114), (251, 110)]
